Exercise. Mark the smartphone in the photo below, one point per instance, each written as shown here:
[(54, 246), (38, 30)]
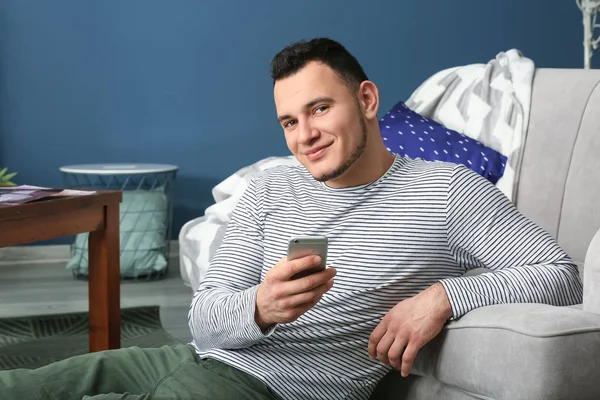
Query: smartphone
[(302, 246)]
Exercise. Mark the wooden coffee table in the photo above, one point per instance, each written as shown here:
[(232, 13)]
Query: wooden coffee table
[(63, 216)]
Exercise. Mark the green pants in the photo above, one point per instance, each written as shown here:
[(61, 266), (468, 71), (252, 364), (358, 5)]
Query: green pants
[(166, 373)]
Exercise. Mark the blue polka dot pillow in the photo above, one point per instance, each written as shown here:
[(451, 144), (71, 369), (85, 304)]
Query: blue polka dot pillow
[(409, 134)]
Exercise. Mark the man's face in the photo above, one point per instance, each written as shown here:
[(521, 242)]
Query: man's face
[(323, 123)]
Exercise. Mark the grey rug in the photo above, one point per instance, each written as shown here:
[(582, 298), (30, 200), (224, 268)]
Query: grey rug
[(34, 341)]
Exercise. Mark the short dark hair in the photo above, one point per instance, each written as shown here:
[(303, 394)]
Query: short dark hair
[(295, 56)]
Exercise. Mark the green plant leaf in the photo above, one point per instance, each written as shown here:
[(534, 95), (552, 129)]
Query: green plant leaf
[(5, 179), (9, 176)]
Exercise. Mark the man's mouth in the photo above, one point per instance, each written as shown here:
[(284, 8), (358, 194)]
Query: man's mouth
[(317, 152)]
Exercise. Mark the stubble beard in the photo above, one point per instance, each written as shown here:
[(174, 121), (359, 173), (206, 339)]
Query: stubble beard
[(358, 151)]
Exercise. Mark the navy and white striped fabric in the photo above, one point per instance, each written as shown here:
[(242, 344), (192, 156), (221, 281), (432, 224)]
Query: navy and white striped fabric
[(420, 223)]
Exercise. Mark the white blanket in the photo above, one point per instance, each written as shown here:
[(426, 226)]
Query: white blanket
[(200, 238), (487, 102)]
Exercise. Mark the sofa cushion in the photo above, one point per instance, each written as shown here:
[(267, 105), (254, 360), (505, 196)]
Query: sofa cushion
[(394, 387), (515, 351), (409, 134)]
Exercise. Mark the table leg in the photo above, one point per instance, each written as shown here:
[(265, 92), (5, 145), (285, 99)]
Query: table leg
[(104, 283)]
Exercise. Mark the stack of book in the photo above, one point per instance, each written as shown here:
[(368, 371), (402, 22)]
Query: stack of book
[(26, 194)]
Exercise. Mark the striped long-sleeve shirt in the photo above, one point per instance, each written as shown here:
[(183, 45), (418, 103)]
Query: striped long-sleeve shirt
[(420, 223)]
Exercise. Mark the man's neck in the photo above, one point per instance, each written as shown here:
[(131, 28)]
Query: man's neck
[(367, 169)]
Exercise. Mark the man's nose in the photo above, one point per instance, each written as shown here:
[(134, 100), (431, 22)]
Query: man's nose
[(307, 133)]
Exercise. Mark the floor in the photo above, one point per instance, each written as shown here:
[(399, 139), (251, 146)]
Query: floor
[(49, 288)]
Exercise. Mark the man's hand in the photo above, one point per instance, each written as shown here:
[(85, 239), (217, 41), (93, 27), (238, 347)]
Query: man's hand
[(409, 326), (280, 299)]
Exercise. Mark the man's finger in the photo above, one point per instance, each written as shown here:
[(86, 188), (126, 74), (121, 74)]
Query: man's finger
[(383, 347), (306, 298), (375, 337), (408, 358), (278, 270), (396, 351), (300, 264)]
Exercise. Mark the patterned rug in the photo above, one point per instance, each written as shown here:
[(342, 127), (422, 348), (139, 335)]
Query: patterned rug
[(32, 342)]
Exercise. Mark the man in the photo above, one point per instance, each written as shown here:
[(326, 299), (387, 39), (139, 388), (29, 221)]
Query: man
[(401, 235)]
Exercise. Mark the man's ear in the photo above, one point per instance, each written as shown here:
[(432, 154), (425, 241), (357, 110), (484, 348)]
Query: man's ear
[(368, 97)]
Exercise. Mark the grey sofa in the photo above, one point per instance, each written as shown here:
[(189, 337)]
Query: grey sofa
[(523, 351), (534, 351)]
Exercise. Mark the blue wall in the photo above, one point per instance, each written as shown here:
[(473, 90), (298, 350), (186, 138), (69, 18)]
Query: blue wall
[(187, 82)]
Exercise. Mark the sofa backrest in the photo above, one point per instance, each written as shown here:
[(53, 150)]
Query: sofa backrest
[(559, 184)]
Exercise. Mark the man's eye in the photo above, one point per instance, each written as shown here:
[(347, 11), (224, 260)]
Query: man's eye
[(289, 124), (321, 109)]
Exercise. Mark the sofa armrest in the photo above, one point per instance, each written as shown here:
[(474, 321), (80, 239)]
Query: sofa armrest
[(591, 277), (517, 351)]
